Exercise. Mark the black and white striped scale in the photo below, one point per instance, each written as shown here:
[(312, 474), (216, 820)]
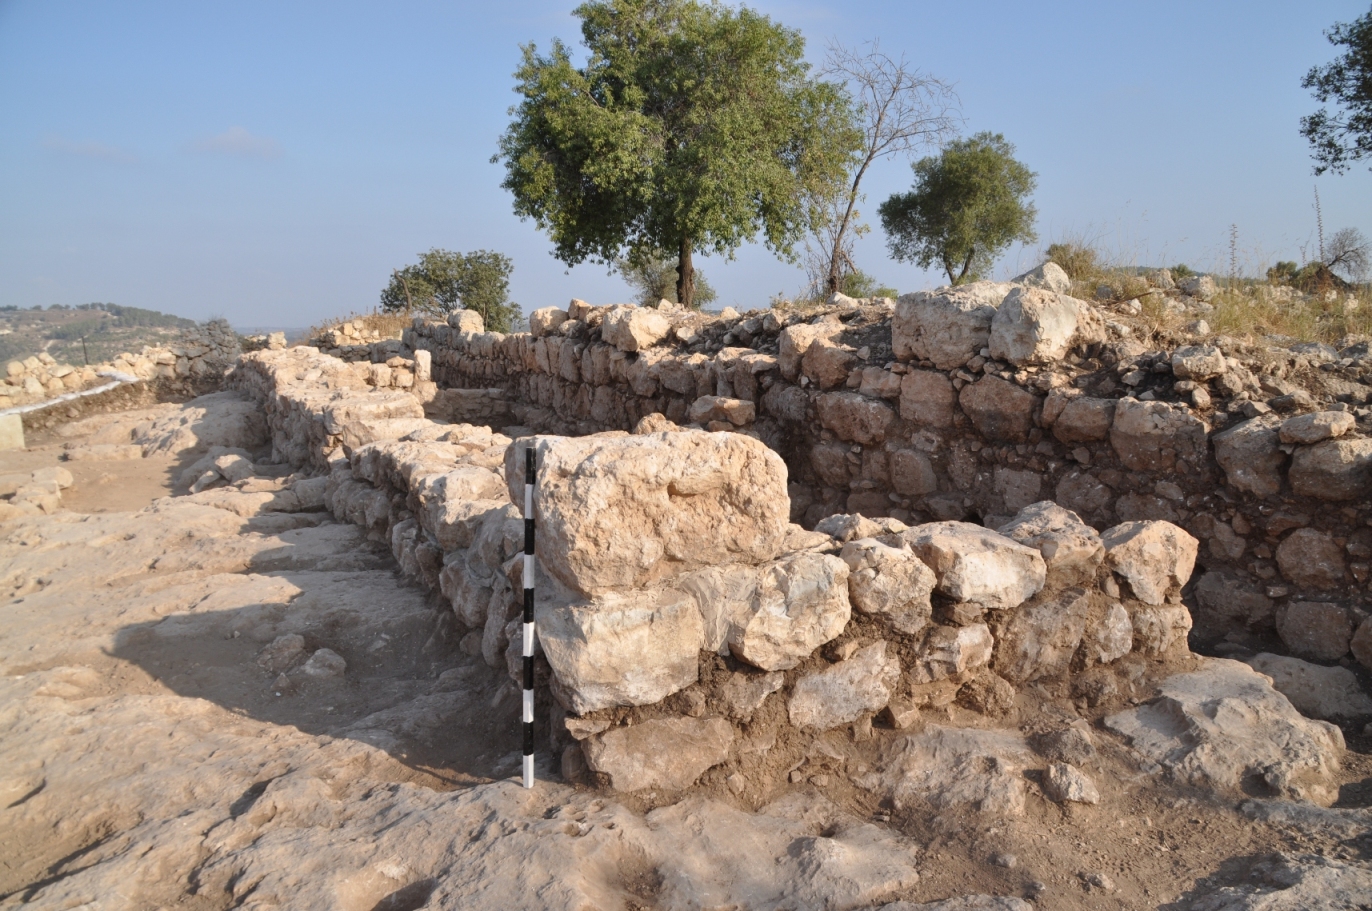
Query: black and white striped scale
[(530, 461)]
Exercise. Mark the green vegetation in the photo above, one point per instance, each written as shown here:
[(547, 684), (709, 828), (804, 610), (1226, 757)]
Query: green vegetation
[(860, 284), (1079, 261), (690, 127), (654, 277), (1338, 139), (968, 205), (443, 280)]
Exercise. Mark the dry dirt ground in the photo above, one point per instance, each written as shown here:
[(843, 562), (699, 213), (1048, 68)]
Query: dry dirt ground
[(147, 760)]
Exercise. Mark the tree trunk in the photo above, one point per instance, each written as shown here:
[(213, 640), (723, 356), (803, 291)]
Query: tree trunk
[(832, 281), (685, 275)]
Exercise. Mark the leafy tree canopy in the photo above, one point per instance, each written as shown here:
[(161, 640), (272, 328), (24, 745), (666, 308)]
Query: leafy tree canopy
[(1342, 137), (443, 280), (653, 277), (968, 204), (690, 127)]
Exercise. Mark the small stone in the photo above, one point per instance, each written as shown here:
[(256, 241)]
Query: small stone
[(281, 653), (1008, 861), (1065, 783), (1098, 880), (325, 663)]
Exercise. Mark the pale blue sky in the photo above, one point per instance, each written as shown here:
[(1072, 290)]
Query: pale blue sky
[(272, 162)]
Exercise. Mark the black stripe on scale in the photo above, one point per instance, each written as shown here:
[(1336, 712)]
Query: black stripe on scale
[(528, 738), (529, 536), (528, 605), (528, 672)]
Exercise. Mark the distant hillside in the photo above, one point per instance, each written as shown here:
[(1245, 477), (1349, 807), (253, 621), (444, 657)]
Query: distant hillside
[(107, 329)]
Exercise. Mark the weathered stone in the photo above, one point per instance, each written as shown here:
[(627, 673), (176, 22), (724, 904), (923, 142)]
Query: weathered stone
[(1154, 436), (1037, 326), (1330, 693), (927, 398), (1224, 599), (1040, 638), (854, 417), (1225, 727), (1068, 545), (1285, 882), (953, 652), (1065, 783), (863, 684), (1316, 630), (827, 363), (844, 527), (546, 321), (1049, 275), (1017, 489), (890, 582), (467, 321), (912, 474), (1084, 419), (744, 693), (1361, 644), (1109, 635), (1332, 470), (1251, 456), (1155, 558), (1309, 429), (999, 410), (955, 769), (1201, 286), (881, 384), (618, 511), (282, 653), (1160, 628), (1198, 363), (1070, 744), (667, 753), (634, 328), (988, 693), (948, 326), (1085, 494), (325, 663), (709, 408), (1311, 559), (978, 565), (629, 648)]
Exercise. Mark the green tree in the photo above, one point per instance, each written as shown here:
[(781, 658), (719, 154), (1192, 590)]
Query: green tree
[(443, 280), (1338, 139), (968, 204), (654, 278), (690, 127)]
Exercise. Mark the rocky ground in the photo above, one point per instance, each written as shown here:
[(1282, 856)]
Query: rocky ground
[(206, 704)]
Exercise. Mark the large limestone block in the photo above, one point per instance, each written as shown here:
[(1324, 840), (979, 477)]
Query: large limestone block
[(863, 684), (773, 616), (854, 417), (1084, 419), (890, 582), (794, 342), (1332, 470), (631, 328), (1224, 727), (826, 363), (467, 321), (546, 320), (667, 753), (948, 326), (927, 398), (1155, 558), (625, 648), (1160, 628), (616, 511), (1000, 411), (955, 769), (1068, 545), (1040, 638), (1037, 326), (1251, 456), (978, 565), (11, 431), (1312, 559), (1198, 362), (1317, 630), (1309, 429), (1154, 436), (1330, 693), (1049, 275)]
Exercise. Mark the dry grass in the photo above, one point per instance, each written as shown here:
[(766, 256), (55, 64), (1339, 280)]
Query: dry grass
[(1259, 310), (389, 324)]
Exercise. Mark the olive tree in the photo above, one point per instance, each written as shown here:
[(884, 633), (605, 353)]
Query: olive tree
[(443, 280), (968, 204), (690, 127), (1342, 137)]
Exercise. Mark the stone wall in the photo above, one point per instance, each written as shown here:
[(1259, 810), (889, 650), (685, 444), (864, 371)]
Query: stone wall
[(969, 404)]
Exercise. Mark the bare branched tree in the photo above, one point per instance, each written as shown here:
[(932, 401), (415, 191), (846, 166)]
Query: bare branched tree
[(903, 110), (1350, 253)]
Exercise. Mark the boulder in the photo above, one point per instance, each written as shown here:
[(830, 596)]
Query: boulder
[(889, 582), (772, 616), (1316, 630), (827, 363), (1224, 727), (953, 652), (1084, 419), (325, 663), (1040, 638), (1067, 544), (1065, 783), (1330, 693), (467, 321), (1159, 628), (1049, 276), (616, 511), (546, 321), (978, 565), (948, 326), (912, 474), (1000, 411), (1155, 436), (1332, 470), (631, 328), (1198, 363), (854, 417), (840, 694), (668, 753), (1285, 882), (1109, 635), (1037, 326), (709, 408), (794, 342), (1200, 286), (1155, 558), (927, 399), (954, 769), (1312, 560), (1251, 456), (1309, 429), (623, 648)]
